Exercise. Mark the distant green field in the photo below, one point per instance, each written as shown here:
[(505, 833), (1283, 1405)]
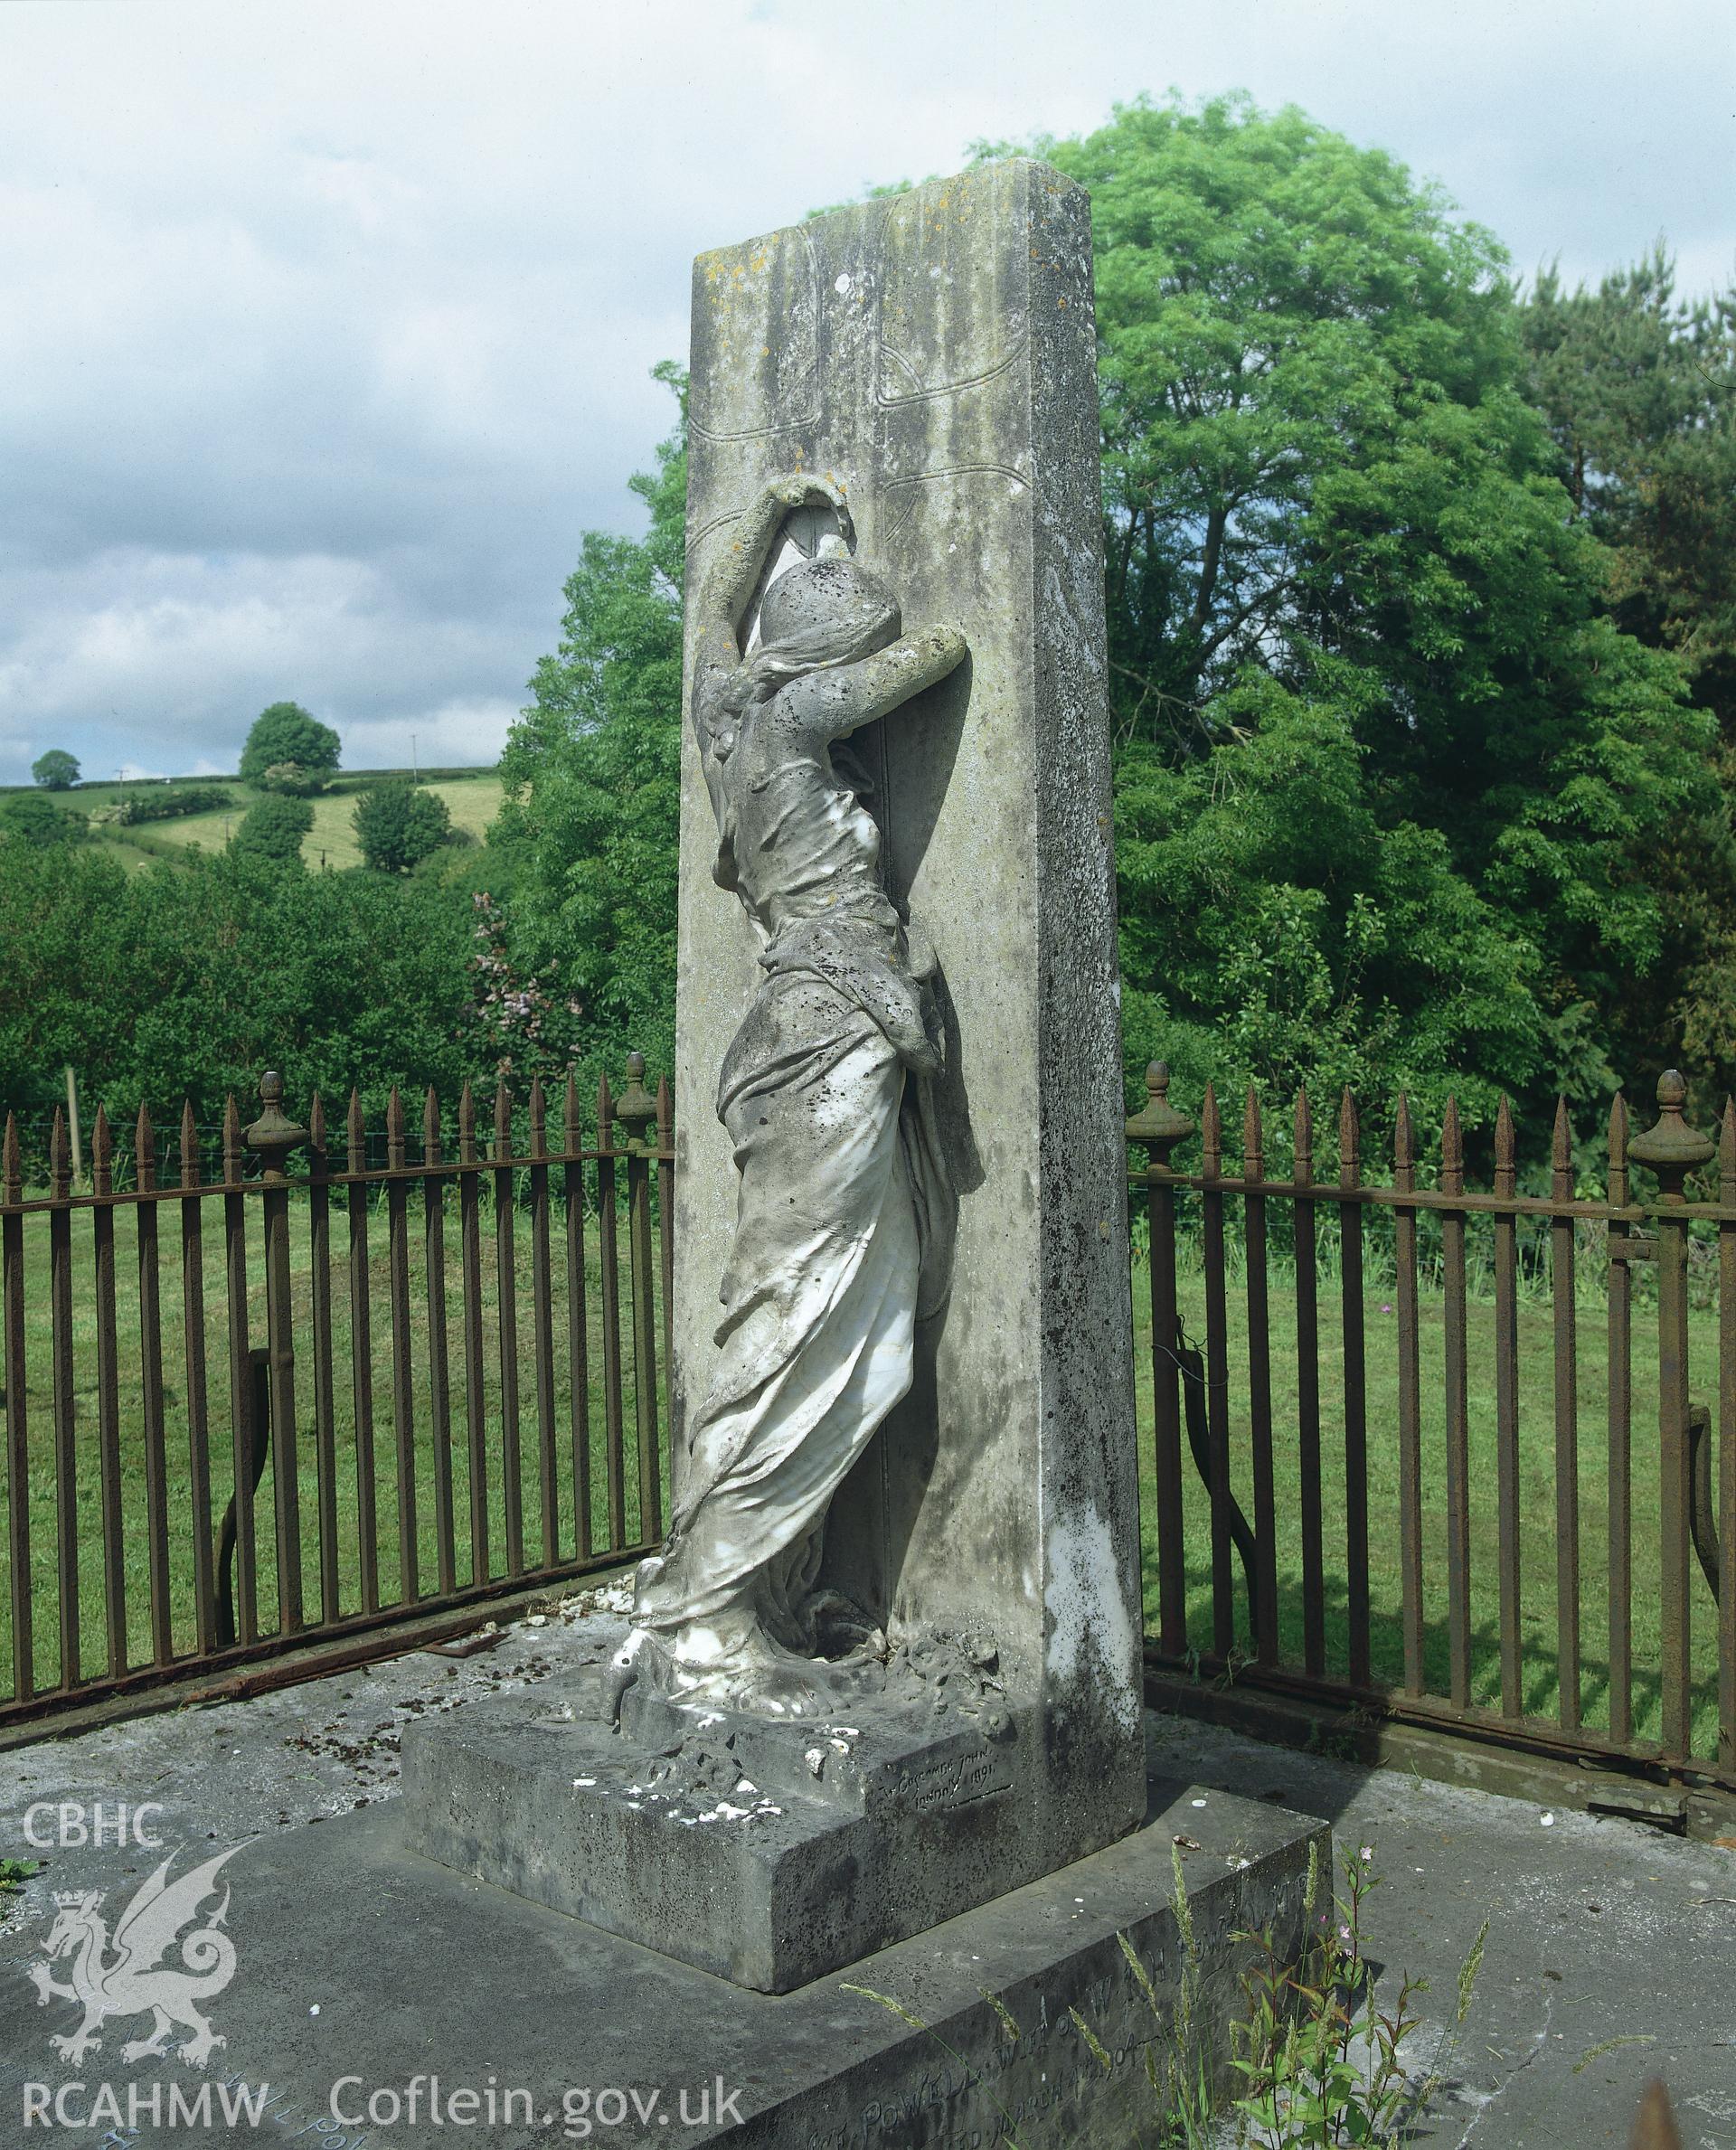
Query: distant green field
[(472, 798)]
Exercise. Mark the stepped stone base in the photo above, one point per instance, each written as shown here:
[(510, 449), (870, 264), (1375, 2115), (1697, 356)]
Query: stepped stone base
[(767, 1852), (364, 1970)]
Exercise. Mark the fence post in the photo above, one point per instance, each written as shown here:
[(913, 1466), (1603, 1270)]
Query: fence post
[(271, 1137), (1159, 1128), (635, 1108), (1672, 1149)]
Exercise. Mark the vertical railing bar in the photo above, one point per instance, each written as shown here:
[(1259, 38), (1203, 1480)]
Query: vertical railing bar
[(1159, 1128), (12, 1292), (113, 1521), (241, 1380), (192, 1320), (1307, 1398), (1506, 1415), (542, 1326), (66, 1423), (635, 1108), (614, 1442), (1217, 1376), (667, 1239), (272, 1137), (1356, 1395), (1264, 1620), (1672, 1149), (1567, 1426), (1456, 1368), (1727, 1441), (476, 1402), (319, 1256), (506, 1289), (150, 1346), (1621, 1431), (404, 1395), (439, 1378), (367, 1505), (1404, 1232), (577, 1340)]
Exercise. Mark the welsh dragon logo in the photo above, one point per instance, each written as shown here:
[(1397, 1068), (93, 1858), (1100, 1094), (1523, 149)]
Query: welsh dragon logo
[(135, 1979)]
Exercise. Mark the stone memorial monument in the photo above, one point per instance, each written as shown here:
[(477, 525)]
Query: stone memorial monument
[(886, 1668)]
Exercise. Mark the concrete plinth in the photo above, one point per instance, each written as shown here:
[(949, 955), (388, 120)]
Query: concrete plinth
[(364, 1968), (768, 1852)]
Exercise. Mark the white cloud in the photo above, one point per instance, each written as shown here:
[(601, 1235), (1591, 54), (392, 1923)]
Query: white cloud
[(328, 328)]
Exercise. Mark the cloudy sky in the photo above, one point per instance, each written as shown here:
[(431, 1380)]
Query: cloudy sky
[(327, 327)]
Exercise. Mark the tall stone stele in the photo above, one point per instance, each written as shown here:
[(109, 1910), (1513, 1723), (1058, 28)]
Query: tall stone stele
[(928, 361), (934, 354)]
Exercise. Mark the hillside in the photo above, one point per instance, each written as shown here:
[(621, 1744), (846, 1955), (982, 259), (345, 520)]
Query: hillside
[(472, 798)]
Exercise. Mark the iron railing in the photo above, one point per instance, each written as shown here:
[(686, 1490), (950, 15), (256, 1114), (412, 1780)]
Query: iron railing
[(1472, 1521), (442, 1420), (290, 1408)]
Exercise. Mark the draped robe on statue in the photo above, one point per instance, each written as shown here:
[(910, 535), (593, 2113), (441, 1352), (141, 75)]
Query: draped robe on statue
[(844, 1224)]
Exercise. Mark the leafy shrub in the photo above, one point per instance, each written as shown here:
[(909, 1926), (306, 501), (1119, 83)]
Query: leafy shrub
[(398, 826), (171, 802), (274, 828), (27, 817)]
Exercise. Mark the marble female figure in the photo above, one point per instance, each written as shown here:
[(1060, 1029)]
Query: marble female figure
[(842, 1240)]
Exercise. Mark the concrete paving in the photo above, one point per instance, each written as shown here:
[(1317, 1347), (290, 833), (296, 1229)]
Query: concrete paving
[(1611, 1952)]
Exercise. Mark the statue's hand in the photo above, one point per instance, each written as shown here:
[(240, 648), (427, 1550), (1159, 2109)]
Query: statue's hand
[(801, 489)]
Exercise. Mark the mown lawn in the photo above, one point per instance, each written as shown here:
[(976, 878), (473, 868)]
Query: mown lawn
[(42, 1488), (1537, 1482), (1537, 1533)]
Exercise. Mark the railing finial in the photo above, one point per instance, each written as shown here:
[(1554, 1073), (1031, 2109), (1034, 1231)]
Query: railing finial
[(1160, 1122), (273, 1135), (636, 1107), (1671, 1148)]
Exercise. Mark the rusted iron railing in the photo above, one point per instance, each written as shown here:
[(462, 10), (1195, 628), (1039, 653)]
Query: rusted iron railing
[(1433, 1551), (390, 1417)]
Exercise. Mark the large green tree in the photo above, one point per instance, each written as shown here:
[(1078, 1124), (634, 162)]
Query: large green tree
[(588, 833), (1388, 779), (289, 748), (1638, 388), (57, 770), (1395, 789)]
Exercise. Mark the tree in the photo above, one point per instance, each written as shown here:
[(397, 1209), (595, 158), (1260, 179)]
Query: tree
[(1639, 390), (273, 828), (590, 828), (287, 734), (398, 825), (1347, 590), (57, 770), (27, 817)]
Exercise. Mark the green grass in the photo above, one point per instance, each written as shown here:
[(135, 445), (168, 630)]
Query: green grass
[(472, 799), (1537, 1479), (1537, 1488), (87, 1508)]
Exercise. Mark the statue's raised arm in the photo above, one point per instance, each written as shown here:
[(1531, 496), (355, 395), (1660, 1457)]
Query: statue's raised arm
[(733, 576)]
